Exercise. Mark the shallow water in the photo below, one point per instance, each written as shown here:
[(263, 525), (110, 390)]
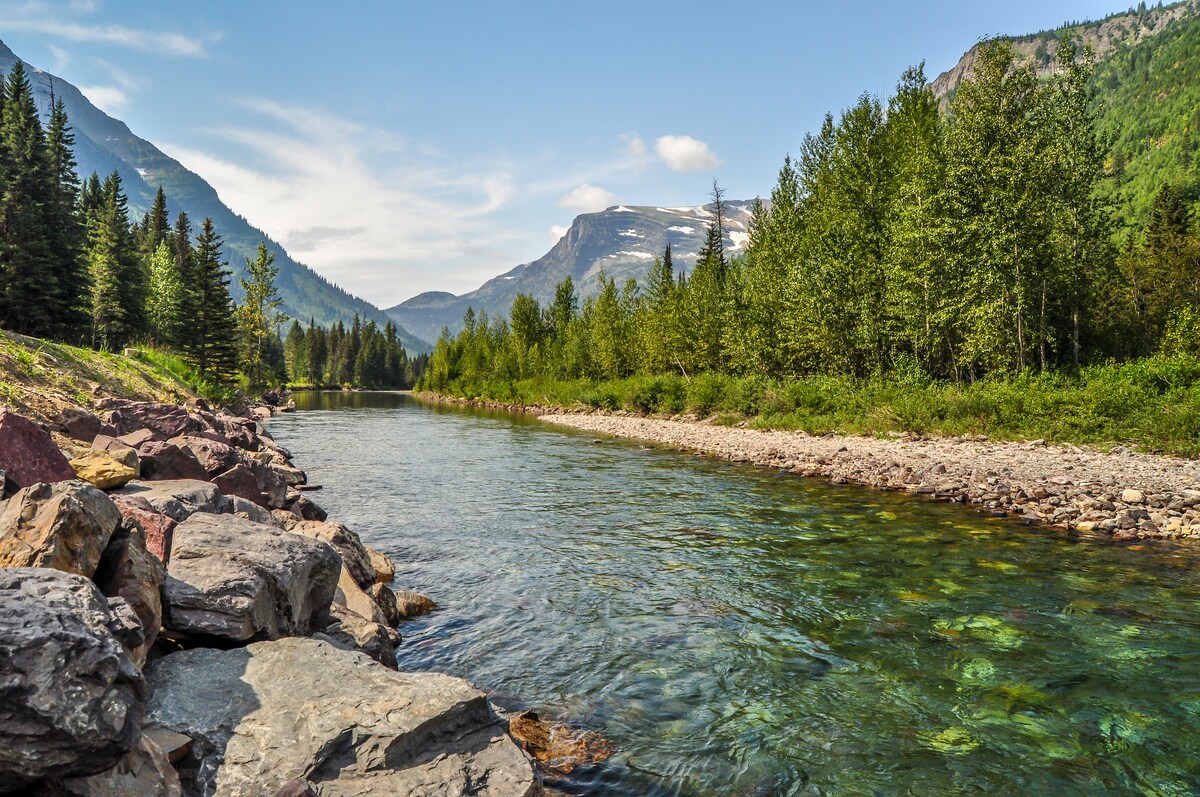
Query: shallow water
[(737, 631)]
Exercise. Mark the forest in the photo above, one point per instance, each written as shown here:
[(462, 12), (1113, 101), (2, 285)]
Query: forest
[(75, 268), (948, 251)]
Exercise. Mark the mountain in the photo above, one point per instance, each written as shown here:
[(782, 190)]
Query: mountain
[(103, 144), (620, 242), (1147, 84)]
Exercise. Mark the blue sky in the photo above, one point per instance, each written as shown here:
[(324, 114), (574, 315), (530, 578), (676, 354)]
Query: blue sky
[(399, 147)]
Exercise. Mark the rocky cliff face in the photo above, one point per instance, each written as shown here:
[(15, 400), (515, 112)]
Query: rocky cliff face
[(1103, 37), (620, 242)]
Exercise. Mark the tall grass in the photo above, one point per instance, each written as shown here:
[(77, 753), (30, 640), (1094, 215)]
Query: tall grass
[(1152, 404), (187, 375)]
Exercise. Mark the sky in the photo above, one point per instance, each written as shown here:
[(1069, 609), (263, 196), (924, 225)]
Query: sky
[(400, 147)]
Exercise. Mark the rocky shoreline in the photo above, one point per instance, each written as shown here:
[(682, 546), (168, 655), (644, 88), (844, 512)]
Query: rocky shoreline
[(1119, 494), (178, 617)]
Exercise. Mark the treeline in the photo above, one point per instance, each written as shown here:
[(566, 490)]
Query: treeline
[(75, 268), (363, 356), (901, 242)]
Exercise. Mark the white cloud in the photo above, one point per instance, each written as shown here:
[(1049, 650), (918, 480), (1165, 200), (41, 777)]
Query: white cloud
[(109, 99), (557, 231), (585, 198), (49, 22), (363, 207), (685, 154)]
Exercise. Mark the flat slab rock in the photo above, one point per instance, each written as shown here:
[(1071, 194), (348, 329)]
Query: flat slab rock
[(178, 499), (237, 580), (302, 709)]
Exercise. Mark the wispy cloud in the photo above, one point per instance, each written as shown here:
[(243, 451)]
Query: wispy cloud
[(586, 198), (363, 206), (63, 22), (685, 154)]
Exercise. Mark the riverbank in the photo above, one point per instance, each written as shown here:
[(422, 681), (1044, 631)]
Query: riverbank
[(1120, 493), (158, 556)]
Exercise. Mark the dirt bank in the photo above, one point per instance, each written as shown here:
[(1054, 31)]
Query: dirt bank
[(1123, 494)]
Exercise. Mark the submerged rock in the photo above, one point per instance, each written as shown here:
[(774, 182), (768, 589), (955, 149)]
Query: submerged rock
[(413, 604), (238, 580), (557, 747), (70, 697), (302, 709), (65, 526)]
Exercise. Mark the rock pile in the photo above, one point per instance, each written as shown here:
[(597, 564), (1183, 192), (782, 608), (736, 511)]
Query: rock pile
[(176, 618)]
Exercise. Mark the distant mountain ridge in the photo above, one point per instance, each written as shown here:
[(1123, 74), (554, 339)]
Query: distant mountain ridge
[(620, 242), (104, 144)]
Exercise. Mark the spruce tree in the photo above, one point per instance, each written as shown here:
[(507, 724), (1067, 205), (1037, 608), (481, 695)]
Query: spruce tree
[(155, 226), (133, 271), (258, 315), (164, 308), (65, 229), (209, 337)]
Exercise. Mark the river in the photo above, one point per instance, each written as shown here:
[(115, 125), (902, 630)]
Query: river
[(738, 631)]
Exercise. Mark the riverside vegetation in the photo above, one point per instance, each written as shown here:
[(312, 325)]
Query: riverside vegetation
[(1008, 266)]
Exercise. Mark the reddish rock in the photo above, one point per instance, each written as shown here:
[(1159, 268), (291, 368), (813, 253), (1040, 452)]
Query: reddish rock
[(128, 570), (136, 438), (64, 526), (162, 461), (28, 454), (239, 480), (213, 456), (270, 484), (157, 528), (163, 420), (120, 452), (80, 424)]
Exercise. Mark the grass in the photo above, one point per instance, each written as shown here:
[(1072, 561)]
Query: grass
[(1152, 404), (185, 373)]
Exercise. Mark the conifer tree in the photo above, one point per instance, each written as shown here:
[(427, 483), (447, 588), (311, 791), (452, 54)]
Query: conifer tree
[(155, 226), (259, 315), (164, 309), (65, 229), (209, 337)]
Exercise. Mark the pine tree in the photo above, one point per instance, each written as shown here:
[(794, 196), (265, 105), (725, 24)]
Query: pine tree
[(109, 327), (155, 226), (29, 290), (164, 309), (259, 315), (210, 334), (65, 229), (133, 272)]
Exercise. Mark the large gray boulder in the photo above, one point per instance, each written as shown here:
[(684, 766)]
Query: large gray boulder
[(348, 544), (178, 499), (70, 698), (65, 526), (302, 709), (238, 580)]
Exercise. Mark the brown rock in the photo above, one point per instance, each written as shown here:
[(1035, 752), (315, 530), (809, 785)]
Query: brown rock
[(239, 480), (350, 595), (28, 454), (385, 599), (145, 771), (80, 424), (162, 461), (128, 570), (413, 604), (136, 438), (64, 526), (384, 568), (351, 631), (296, 788), (99, 469), (213, 456), (120, 451), (557, 747), (354, 554), (157, 528), (164, 421)]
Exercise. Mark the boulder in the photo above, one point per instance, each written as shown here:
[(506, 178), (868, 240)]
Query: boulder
[(101, 470), (270, 484), (385, 599), (119, 451), (164, 421), (3, 487), (291, 476), (160, 461), (65, 526), (352, 596), (302, 709), (384, 568), (178, 499), (70, 698), (214, 457), (285, 519), (28, 455), (240, 431), (144, 771), (157, 529), (80, 424), (128, 570), (251, 511), (237, 580), (349, 546), (308, 509), (239, 480), (296, 788), (413, 604), (137, 438), (351, 631)]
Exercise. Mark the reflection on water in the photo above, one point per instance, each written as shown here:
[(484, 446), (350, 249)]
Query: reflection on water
[(737, 631)]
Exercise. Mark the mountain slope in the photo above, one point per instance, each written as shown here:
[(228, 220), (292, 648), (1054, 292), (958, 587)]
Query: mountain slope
[(620, 242), (103, 144)]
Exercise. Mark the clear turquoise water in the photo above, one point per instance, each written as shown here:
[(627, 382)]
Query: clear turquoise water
[(737, 631)]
